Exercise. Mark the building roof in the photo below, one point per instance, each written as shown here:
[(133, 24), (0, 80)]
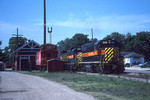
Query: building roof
[(125, 53), (133, 54), (31, 44)]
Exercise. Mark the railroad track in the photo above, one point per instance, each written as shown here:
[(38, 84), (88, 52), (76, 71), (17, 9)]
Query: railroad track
[(136, 76)]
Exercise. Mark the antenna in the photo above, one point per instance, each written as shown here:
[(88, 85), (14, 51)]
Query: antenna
[(92, 33), (50, 35)]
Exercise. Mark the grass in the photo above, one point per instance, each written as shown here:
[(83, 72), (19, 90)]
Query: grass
[(145, 76), (101, 87)]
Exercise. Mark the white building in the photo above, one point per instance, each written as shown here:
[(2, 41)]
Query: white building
[(133, 58)]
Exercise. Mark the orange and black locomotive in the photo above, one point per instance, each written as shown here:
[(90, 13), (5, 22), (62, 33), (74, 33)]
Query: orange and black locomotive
[(101, 56)]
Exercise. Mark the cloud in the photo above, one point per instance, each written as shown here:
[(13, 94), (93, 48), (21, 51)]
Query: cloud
[(121, 23), (6, 28)]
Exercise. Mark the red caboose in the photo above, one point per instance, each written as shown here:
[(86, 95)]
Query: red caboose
[(47, 52)]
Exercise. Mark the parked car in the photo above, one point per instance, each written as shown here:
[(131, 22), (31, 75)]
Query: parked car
[(145, 65), (9, 67), (127, 65)]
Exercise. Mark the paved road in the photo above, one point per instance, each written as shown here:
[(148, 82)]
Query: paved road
[(136, 69), (16, 86)]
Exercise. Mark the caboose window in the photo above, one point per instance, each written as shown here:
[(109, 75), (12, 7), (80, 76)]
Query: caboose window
[(42, 47), (48, 47)]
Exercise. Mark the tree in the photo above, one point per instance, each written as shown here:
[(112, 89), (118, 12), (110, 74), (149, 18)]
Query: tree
[(12, 47), (79, 39), (64, 44), (129, 42), (7, 52), (75, 42), (2, 55), (142, 44), (118, 37), (138, 43), (13, 43)]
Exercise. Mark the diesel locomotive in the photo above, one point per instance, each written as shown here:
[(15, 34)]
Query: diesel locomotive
[(101, 56)]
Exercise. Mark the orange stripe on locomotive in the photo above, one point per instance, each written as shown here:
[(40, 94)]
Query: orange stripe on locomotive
[(92, 53)]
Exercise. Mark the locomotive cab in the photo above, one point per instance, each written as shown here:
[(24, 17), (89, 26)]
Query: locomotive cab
[(111, 60)]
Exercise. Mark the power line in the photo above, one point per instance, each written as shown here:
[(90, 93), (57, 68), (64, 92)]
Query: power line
[(92, 33)]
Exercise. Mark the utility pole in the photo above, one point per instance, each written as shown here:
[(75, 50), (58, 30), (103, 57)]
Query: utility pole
[(92, 33), (17, 36), (44, 22), (50, 32)]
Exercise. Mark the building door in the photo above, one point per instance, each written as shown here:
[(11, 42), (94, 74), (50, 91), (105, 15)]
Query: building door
[(24, 64)]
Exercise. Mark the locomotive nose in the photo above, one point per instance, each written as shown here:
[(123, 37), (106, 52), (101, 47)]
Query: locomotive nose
[(111, 54)]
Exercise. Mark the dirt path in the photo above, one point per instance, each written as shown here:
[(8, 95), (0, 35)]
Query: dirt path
[(16, 86)]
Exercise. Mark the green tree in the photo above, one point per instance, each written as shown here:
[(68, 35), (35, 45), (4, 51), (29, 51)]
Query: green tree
[(118, 37), (75, 42), (79, 39), (7, 52), (64, 44), (60, 45), (138, 43), (129, 42), (2, 55), (142, 44), (13, 43)]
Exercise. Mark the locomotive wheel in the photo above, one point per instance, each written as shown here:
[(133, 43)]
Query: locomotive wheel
[(107, 70), (119, 70), (78, 68), (101, 69), (93, 70)]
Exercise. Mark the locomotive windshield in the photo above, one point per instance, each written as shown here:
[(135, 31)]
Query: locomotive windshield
[(106, 43)]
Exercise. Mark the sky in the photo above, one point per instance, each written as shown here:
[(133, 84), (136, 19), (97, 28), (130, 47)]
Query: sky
[(68, 17)]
